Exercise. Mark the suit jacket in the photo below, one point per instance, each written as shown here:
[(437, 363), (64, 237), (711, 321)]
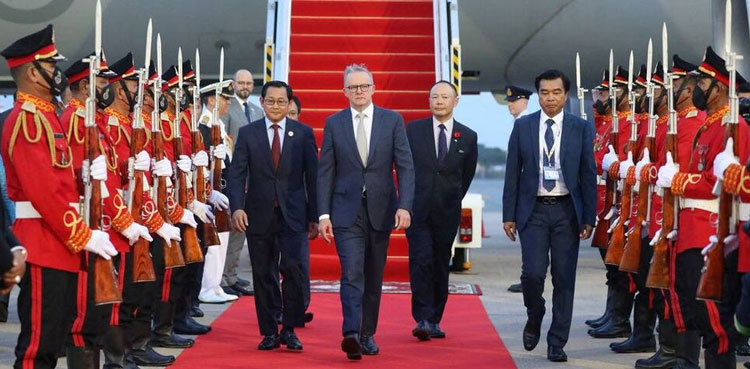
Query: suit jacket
[(342, 176), (522, 168), (292, 184), (440, 188), (235, 118)]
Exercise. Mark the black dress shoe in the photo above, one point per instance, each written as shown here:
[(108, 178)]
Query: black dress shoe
[(610, 330), (242, 282), (664, 358), (369, 347), (599, 323), (743, 349), (531, 334), (684, 364), (309, 317), (633, 345), (229, 290), (149, 357), (350, 345), (242, 290), (556, 354), (291, 341), (436, 332), (269, 343), (422, 331), (196, 312), (173, 341), (516, 288), (747, 364), (190, 326)]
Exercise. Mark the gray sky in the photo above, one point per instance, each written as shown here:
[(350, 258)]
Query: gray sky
[(488, 118)]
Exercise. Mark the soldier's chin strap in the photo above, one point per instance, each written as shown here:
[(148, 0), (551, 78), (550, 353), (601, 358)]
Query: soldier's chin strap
[(677, 93), (661, 97)]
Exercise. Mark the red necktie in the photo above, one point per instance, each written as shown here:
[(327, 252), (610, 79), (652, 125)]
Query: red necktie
[(275, 146)]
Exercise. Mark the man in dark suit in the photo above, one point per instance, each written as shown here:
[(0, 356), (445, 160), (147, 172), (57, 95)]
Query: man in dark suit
[(277, 158), (550, 194), (358, 202), (445, 158)]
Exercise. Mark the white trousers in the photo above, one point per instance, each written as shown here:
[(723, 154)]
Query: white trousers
[(213, 267)]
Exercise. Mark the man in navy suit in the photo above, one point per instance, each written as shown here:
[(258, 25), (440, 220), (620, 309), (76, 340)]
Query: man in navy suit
[(358, 202), (445, 158), (278, 158), (550, 200)]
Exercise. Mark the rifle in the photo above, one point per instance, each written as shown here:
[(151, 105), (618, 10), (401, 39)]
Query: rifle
[(659, 271), (631, 255), (617, 241), (143, 265), (217, 184), (106, 290), (601, 233), (711, 285), (191, 246), (210, 236), (172, 253)]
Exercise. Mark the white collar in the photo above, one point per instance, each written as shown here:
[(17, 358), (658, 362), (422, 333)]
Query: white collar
[(368, 111), (557, 118), (448, 123), (282, 123)]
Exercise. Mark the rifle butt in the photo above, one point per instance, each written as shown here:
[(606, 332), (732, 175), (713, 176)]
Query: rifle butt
[(658, 272), (222, 221), (711, 285), (106, 290), (173, 255), (210, 236), (616, 246), (601, 238), (631, 254), (191, 246), (143, 265)]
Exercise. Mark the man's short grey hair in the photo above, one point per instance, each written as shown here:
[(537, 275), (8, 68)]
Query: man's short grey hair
[(353, 68)]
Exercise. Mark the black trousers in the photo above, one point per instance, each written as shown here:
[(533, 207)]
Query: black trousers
[(90, 321), (362, 253), (429, 268), (264, 251), (550, 233), (170, 283), (45, 308)]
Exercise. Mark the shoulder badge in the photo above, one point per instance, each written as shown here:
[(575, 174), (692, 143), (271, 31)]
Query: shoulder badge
[(691, 114), (205, 119), (113, 121), (29, 107)]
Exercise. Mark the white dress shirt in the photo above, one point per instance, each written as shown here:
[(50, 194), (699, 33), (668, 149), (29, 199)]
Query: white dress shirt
[(560, 188), (282, 130), (524, 112), (448, 131), (367, 120)]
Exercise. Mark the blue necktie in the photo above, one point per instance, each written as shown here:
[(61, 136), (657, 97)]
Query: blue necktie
[(549, 139), (247, 112), (442, 144)]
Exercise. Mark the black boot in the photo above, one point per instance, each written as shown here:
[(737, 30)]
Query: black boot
[(600, 321), (81, 358), (162, 334), (688, 349), (188, 325), (714, 361), (618, 324), (642, 339), (142, 352), (664, 358), (115, 348)]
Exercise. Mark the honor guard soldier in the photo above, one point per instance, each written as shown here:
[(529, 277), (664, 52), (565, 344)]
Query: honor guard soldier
[(698, 219), (41, 181)]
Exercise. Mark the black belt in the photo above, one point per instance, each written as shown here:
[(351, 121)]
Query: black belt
[(551, 200)]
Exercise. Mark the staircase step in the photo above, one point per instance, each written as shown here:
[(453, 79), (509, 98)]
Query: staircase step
[(363, 8), (373, 61), (363, 43), (362, 26), (337, 100), (332, 80)]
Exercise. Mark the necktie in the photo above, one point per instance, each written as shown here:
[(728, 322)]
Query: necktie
[(549, 139), (275, 146), (247, 112), (362, 138), (442, 148)]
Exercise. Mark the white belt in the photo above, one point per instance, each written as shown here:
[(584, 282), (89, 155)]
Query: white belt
[(744, 213), (24, 210), (711, 206), (600, 181)]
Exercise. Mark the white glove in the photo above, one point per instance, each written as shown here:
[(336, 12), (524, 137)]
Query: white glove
[(202, 211), (99, 244), (218, 200), (188, 219), (136, 231), (645, 160), (625, 165), (169, 233), (142, 161), (184, 163), (666, 173), (163, 168), (98, 168), (200, 159), (609, 158), (220, 151), (725, 159)]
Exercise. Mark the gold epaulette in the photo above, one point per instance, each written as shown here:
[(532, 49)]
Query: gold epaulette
[(41, 126)]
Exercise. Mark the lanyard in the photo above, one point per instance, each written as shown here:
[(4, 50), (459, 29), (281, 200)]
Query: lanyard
[(550, 152)]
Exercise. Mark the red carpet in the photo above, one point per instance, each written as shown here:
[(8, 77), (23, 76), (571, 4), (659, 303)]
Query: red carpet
[(234, 337), (394, 38)]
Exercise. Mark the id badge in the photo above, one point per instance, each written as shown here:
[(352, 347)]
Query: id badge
[(551, 174)]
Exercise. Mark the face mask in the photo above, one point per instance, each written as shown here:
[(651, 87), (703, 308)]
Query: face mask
[(105, 97), (128, 95), (163, 103), (639, 102), (57, 82), (600, 107), (699, 98), (184, 102)]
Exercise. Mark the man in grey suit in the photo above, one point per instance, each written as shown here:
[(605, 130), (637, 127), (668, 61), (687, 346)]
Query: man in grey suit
[(358, 202), (241, 113)]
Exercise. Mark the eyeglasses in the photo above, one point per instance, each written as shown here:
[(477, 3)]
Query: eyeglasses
[(280, 103), (363, 88)]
